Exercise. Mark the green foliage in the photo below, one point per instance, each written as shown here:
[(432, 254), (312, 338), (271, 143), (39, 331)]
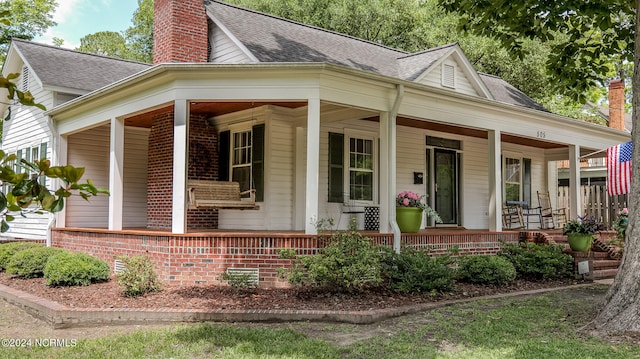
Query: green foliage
[(24, 19), (30, 262), (8, 250), (584, 225), (538, 261), (414, 271), (138, 276), (588, 40), (348, 262), (104, 43), (486, 270), (73, 268), (620, 224)]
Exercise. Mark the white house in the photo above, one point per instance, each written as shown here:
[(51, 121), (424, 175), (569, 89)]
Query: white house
[(318, 123)]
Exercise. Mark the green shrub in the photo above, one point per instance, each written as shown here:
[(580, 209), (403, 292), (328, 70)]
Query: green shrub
[(414, 271), (138, 276), (72, 268), (7, 250), (486, 270), (348, 262), (538, 261), (30, 262)]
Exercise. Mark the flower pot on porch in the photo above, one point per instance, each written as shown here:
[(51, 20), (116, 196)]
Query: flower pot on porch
[(580, 242), (409, 219)]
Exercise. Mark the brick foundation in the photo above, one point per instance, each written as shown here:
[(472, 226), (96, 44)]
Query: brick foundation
[(202, 258)]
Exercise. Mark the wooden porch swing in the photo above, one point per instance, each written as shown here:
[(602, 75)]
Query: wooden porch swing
[(219, 195)]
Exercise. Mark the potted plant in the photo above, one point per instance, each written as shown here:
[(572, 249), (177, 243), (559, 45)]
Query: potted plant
[(581, 232), (409, 209)]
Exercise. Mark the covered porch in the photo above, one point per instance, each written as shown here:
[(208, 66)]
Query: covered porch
[(145, 138)]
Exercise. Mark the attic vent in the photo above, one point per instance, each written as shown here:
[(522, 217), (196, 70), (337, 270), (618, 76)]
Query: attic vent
[(448, 76), (25, 78)]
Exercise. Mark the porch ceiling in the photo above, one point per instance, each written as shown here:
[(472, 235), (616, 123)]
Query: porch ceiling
[(208, 108)]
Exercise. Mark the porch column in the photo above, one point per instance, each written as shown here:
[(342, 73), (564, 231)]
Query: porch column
[(495, 182), (386, 169), (575, 200), (180, 159), (61, 160), (116, 171), (313, 165), (300, 201)]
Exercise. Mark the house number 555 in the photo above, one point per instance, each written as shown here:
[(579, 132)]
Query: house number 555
[(541, 134)]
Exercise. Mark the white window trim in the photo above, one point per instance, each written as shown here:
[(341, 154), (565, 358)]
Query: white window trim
[(364, 135)]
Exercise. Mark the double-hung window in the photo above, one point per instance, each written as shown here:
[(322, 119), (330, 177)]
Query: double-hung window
[(360, 169), (352, 167), (512, 178), (241, 159)]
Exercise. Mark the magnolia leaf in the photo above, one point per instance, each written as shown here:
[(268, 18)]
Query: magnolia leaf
[(4, 226), (8, 116), (9, 217), (3, 202), (22, 188)]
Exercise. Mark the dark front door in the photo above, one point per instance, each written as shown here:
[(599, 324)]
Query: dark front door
[(446, 185)]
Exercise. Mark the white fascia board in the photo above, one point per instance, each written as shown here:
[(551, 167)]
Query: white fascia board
[(26, 62), (231, 36)]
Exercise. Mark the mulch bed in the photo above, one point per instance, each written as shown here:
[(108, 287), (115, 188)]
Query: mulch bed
[(109, 295)]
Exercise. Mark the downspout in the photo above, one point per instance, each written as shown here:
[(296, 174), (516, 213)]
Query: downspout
[(391, 131), (54, 161)]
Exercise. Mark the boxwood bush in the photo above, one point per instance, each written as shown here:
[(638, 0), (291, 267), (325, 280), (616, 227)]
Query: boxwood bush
[(538, 261), (413, 271), (138, 276), (7, 250), (72, 268), (30, 262), (485, 270)]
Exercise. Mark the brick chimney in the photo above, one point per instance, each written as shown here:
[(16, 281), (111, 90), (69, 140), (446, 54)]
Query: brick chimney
[(179, 31), (616, 104)]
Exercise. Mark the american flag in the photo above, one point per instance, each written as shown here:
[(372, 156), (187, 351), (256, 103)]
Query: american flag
[(619, 168)]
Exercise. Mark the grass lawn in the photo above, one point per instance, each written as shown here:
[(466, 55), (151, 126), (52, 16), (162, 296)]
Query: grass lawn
[(542, 326)]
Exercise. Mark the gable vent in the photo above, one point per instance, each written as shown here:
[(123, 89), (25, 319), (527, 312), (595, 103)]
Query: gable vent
[(448, 76), (25, 78)]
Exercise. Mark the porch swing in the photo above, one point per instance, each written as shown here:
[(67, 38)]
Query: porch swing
[(222, 194)]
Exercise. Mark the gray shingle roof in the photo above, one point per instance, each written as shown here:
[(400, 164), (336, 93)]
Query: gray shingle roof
[(503, 91), (59, 67), (274, 39)]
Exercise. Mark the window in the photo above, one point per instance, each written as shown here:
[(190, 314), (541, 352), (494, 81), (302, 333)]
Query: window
[(242, 159), (357, 164), (30, 154), (360, 169), (512, 179)]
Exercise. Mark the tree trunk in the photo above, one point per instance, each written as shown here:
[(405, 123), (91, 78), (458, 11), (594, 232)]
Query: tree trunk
[(621, 312)]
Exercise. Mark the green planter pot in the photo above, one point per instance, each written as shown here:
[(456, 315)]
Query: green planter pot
[(580, 242), (409, 219)]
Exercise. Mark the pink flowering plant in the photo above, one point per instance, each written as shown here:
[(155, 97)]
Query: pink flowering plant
[(620, 223), (412, 199)]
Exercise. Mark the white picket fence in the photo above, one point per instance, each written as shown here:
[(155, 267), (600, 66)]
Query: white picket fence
[(595, 202)]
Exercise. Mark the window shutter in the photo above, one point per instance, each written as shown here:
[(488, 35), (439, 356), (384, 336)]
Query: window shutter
[(43, 155), (336, 167), (223, 155), (257, 161), (526, 180), (18, 158), (448, 76)]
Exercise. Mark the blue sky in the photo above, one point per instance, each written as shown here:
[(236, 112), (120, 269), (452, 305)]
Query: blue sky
[(77, 18)]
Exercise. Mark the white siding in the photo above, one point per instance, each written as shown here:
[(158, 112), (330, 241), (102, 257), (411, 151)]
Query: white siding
[(225, 51), (90, 149), (27, 128), (276, 212), (463, 85), (136, 144)]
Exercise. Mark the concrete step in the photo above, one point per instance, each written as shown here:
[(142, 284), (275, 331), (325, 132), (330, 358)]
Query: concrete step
[(605, 264), (602, 274)]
